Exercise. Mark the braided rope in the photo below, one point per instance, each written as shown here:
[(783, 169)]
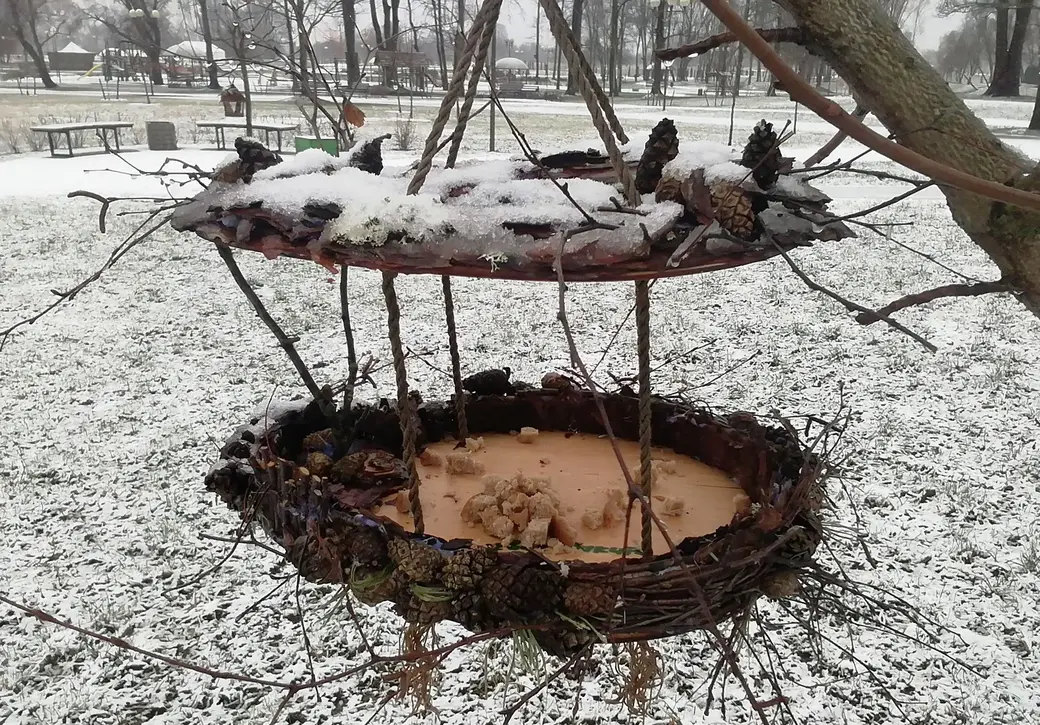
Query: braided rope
[(479, 60), (488, 9), (586, 78), (645, 467), (404, 403), (456, 367)]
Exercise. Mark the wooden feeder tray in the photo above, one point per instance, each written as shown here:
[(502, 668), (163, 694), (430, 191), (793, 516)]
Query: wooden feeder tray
[(334, 515)]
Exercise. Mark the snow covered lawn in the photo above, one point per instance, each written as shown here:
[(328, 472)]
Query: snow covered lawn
[(115, 405)]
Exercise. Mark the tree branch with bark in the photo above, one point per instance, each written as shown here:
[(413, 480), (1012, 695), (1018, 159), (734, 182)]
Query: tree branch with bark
[(989, 196)]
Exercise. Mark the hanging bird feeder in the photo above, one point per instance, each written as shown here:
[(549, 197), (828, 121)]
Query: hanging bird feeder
[(579, 516)]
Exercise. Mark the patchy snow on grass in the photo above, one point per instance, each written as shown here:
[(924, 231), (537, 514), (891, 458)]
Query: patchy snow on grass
[(115, 406)]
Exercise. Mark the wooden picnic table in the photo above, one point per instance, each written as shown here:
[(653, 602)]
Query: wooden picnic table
[(102, 128), (268, 128)]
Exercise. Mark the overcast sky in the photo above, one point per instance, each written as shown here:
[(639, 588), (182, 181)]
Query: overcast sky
[(519, 17)]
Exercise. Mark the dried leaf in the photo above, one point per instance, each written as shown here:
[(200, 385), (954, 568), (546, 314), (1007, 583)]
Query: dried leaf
[(698, 197), (353, 115)]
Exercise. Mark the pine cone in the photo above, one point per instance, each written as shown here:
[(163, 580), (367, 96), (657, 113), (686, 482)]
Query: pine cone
[(762, 154), (520, 592), (589, 598), (563, 642), (424, 613), (318, 441), (366, 547), (669, 188), (418, 562), (387, 590), (781, 586), (733, 210), (319, 464), (469, 610), (661, 147), (489, 382), (370, 156), (466, 568), (253, 156)]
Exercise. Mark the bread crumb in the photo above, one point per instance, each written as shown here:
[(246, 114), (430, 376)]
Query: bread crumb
[(673, 506), (536, 533), (592, 519), (520, 518), (490, 483), (474, 508), (499, 526), (742, 505), (431, 458), (544, 461), (612, 513), (542, 506), (463, 463), (666, 465), (563, 530), (527, 434), (402, 503), (474, 444)]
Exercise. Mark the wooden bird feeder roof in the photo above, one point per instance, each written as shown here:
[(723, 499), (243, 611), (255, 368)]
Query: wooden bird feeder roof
[(503, 219)]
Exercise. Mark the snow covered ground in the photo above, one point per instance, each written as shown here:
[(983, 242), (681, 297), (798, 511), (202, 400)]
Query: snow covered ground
[(115, 405)]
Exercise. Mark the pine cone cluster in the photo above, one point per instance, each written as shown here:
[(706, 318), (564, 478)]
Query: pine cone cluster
[(589, 598), (733, 209), (661, 147), (419, 563), (762, 154), (466, 568)]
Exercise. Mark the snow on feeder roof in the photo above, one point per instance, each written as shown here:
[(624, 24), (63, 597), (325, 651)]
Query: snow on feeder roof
[(700, 210)]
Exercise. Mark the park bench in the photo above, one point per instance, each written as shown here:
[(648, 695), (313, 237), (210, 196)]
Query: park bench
[(102, 128), (219, 127)]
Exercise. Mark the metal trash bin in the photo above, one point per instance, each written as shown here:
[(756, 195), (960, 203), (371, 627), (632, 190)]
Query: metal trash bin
[(162, 135)]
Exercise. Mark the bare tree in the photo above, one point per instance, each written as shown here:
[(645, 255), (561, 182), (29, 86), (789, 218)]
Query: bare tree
[(35, 22), (1012, 25), (139, 22)]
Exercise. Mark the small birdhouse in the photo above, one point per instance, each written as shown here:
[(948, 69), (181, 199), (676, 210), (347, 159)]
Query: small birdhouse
[(233, 100)]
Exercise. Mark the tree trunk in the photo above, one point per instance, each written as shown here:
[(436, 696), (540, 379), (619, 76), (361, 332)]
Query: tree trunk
[(438, 32), (917, 106), (153, 51), (572, 83), (291, 55), (612, 55), (207, 38), (36, 54), (350, 41), (1034, 122), (1007, 70), (662, 8), (375, 23)]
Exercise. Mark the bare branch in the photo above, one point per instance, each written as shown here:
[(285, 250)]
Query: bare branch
[(837, 139), (797, 36), (849, 305), (921, 298)]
